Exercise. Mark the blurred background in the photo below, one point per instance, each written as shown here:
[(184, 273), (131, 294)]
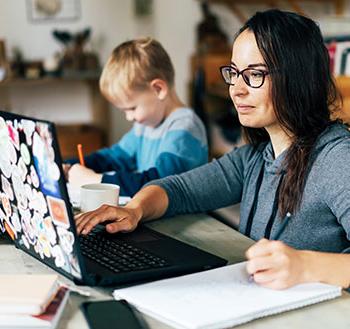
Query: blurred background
[(52, 51)]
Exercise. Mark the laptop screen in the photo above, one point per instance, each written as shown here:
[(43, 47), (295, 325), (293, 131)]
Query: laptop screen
[(34, 206)]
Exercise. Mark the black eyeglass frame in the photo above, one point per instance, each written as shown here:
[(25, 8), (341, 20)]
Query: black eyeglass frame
[(264, 74)]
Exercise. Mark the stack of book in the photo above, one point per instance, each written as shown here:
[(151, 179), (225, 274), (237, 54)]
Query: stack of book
[(31, 301), (339, 54)]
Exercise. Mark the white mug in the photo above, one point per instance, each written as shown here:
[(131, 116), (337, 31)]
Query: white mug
[(93, 196)]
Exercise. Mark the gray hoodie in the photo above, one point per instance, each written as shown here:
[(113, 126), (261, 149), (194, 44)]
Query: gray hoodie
[(252, 176)]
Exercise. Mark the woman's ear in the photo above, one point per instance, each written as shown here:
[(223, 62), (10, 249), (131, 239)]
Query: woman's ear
[(160, 87)]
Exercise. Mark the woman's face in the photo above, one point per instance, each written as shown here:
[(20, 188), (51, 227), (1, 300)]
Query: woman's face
[(253, 105)]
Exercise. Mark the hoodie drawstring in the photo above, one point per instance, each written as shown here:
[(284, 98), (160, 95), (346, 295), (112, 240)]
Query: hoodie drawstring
[(255, 201)]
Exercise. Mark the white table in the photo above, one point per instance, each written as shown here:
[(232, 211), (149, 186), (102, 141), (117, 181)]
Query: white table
[(208, 234)]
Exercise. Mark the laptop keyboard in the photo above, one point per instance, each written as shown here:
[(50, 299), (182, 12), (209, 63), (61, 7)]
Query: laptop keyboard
[(118, 256)]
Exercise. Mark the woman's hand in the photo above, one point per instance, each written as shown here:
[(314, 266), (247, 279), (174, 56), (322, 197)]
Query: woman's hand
[(120, 219), (275, 265), (80, 175)]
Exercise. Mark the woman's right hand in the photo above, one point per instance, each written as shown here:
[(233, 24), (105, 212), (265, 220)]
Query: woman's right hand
[(120, 219)]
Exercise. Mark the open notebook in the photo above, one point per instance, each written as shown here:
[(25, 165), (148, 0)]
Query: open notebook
[(219, 298)]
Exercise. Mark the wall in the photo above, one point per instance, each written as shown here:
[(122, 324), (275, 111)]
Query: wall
[(112, 22)]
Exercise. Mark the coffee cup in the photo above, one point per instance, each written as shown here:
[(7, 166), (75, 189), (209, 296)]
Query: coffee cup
[(92, 196)]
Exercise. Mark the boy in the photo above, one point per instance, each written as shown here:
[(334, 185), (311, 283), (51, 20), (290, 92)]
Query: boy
[(167, 138)]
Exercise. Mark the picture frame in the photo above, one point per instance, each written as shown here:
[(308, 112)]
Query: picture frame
[(41, 11)]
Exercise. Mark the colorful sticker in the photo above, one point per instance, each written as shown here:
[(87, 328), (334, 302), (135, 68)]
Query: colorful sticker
[(34, 177), (38, 248), (25, 154), (5, 165), (38, 202), (54, 171), (22, 169), (25, 213), (66, 240), (49, 230), (11, 153), (13, 133), (28, 128), (28, 231), (29, 193), (15, 220), (25, 241), (6, 205), (58, 255), (37, 223), (58, 211), (4, 135), (43, 164), (45, 245), (2, 215), (75, 268), (10, 231), (6, 187), (20, 192)]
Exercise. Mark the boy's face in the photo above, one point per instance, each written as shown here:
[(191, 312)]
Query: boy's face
[(144, 107)]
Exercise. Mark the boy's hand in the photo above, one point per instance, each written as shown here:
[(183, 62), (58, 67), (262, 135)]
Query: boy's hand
[(276, 265), (121, 219), (80, 175)]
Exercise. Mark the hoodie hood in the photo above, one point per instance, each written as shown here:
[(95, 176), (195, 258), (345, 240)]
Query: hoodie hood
[(333, 134), (273, 165)]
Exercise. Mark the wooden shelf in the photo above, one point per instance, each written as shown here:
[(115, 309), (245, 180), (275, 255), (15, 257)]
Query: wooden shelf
[(94, 135), (343, 83), (339, 5), (48, 79)]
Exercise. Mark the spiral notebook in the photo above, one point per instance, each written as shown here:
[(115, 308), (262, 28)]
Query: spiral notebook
[(219, 298)]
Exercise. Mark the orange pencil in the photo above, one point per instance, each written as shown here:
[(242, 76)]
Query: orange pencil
[(80, 154)]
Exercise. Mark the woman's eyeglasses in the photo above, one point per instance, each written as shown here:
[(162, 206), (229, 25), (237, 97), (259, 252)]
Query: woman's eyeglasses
[(252, 77)]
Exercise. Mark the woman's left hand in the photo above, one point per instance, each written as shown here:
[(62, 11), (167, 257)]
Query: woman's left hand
[(275, 265)]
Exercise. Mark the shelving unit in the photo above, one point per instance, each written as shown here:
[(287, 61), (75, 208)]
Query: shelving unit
[(343, 83), (295, 5), (93, 136)]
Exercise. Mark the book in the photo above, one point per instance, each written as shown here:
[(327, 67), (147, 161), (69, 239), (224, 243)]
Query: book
[(47, 320), (26, 294), (219, 298)]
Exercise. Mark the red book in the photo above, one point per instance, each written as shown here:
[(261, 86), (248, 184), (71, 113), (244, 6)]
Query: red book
[(47, 320)]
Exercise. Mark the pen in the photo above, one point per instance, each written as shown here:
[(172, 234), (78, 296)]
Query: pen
[(80, 154), (282, 226), (276, 237)]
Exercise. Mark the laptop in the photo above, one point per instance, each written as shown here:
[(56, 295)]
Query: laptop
[(36, 212)]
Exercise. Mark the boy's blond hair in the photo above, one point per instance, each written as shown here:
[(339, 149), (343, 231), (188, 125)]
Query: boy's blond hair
[(133, 64)]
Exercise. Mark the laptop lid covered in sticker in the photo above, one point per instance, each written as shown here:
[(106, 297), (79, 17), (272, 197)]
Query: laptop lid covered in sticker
[(34, 205)]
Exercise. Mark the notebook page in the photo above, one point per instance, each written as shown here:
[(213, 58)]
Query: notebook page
[(218, 298)]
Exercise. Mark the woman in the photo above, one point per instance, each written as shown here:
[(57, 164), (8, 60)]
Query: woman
[(291, 177)]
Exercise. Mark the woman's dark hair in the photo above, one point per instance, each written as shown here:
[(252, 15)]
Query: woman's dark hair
[(302, 89)]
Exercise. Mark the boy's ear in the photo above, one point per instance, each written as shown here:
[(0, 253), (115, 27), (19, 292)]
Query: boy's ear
[(160, 87)]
